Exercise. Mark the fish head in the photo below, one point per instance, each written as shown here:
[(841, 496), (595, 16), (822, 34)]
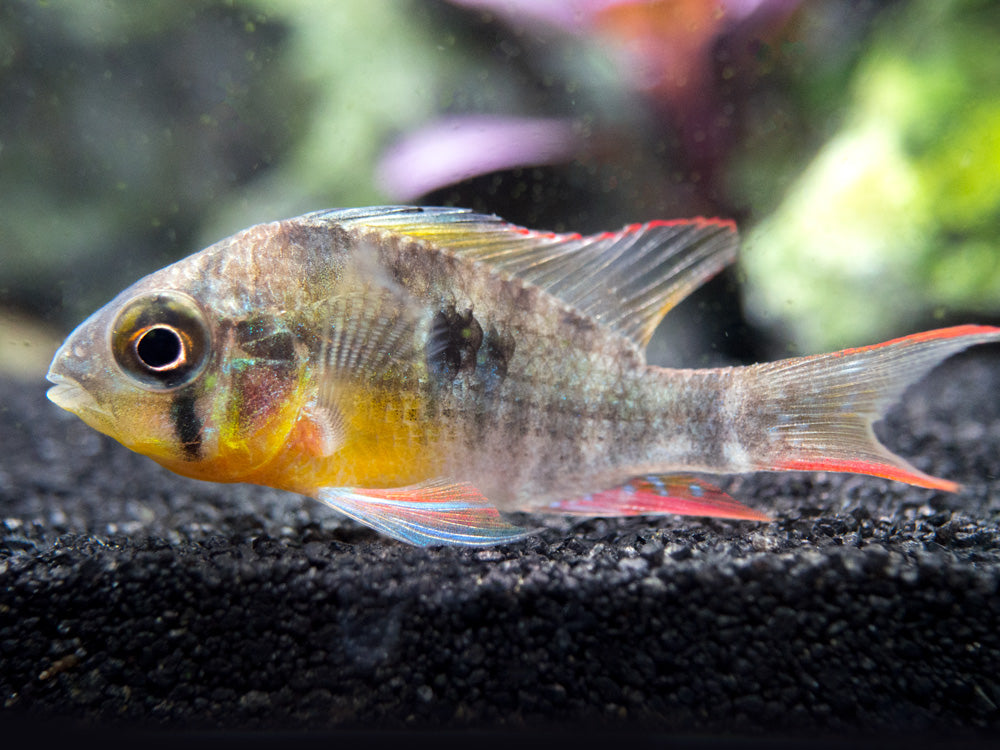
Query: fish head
[(124, 367), (174, 370)]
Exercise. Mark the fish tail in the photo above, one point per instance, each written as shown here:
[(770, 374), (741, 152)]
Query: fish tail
[(816, 413)]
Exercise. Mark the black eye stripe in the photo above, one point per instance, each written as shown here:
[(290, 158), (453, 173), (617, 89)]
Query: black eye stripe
[(187, 425)]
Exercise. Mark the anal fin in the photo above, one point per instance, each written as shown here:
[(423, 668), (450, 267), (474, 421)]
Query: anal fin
[(425, 514), (659, 494)]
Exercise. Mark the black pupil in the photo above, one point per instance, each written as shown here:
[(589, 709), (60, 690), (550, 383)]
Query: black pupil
[(159, 347)]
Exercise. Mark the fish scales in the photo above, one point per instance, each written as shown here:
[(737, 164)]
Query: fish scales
[(421, 370), (553, 403), (575, 394), (569, 389)]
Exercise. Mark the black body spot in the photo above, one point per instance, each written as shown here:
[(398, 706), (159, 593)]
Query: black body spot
[(187, 425), (261, 338), (453, 343), (493, 360)]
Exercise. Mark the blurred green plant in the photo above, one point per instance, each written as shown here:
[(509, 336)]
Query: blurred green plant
[(372, 69), (898, 216), (119, 124), (132, 134)]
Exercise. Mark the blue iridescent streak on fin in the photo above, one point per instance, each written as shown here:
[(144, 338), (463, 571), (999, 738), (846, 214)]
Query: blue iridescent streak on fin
[(658, 494), (426, 514)]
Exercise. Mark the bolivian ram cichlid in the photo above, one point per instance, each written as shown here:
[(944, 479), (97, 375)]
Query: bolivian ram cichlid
[(421, 370)]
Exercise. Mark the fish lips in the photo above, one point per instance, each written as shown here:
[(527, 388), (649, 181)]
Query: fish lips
[(68, 373), (70, 395)]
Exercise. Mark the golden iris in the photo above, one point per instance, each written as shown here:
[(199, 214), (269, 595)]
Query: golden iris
[(161, 340)]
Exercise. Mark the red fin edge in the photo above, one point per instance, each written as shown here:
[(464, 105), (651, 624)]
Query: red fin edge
[(677, 494), (826, 424), (885, 471), (431, 513), (954, 332)]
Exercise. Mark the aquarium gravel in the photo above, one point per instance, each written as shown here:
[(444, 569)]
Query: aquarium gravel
[(133, 597)]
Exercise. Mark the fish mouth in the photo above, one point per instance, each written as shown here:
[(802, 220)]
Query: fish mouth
[(71, 396)]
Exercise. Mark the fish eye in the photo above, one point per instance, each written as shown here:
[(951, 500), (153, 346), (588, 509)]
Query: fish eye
[(161, 340), (160, 348)]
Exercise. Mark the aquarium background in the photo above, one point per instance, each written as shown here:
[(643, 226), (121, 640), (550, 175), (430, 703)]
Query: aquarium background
[(857, 144)]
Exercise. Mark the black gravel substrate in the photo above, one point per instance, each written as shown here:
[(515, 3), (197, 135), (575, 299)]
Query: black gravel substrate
[(130, 597)]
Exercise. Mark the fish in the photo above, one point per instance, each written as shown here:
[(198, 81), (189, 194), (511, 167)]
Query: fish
[(427, 371)]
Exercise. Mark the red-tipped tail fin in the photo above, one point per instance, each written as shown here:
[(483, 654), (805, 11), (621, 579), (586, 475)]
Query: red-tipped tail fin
[(827, 403), (898, 469)]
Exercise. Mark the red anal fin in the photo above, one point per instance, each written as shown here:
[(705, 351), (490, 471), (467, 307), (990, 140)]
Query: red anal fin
[(886, 471), (660, 494)]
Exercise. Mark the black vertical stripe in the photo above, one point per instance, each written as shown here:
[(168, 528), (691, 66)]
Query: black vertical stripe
[(187, 425)]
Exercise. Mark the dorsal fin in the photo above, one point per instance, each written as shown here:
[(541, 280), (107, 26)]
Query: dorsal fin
[(627, 280)]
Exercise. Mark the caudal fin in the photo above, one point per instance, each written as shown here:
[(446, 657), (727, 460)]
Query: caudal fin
[(826, 404)]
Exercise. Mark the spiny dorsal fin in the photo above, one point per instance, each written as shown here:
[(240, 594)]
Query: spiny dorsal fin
[(627, 280)]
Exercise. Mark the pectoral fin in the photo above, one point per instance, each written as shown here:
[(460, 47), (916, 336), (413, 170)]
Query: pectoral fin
[(426, 514), (679, 494)]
